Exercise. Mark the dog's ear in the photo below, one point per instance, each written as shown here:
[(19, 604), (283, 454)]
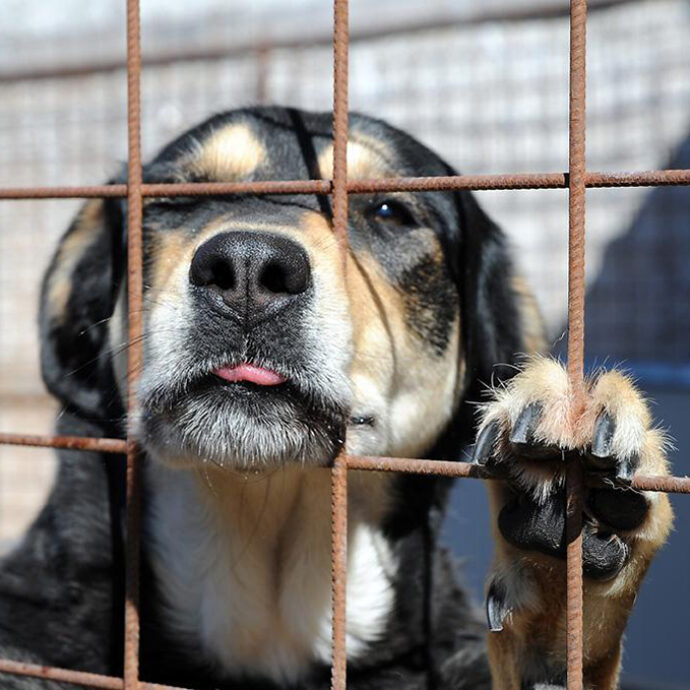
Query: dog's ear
[(499, 316), (77, 300)]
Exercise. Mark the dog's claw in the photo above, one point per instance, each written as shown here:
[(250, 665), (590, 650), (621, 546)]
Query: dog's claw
[(604, 428), (529, 418), (601, 456), (496, 607), (484, 447)]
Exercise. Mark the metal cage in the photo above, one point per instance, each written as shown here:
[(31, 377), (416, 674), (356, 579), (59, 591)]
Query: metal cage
[(577, 179)]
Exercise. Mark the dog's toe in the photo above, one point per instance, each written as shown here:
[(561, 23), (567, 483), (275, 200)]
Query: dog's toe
[(617, 508), (602, 457)]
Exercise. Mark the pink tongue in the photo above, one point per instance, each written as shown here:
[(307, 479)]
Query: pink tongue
[(248, 372)]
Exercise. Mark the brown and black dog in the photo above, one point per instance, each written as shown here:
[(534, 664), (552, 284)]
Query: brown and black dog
[(260, 351)]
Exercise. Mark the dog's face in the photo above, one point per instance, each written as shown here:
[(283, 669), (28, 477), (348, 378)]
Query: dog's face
[(260, 347)]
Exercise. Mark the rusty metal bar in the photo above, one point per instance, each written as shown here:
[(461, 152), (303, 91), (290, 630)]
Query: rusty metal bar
[(89, 680), (484, 182), (75, 192), (339, 571), (576, 198), (576, 334), (63, 675), (450, 182), (668, 485), (339, 470), (135, 290), (648, 178), (215, 188), (445, 468), (368, 463), (102, 445), (467, 470)]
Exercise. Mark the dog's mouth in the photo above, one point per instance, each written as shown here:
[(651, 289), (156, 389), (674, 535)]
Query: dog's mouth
[(244, 414)]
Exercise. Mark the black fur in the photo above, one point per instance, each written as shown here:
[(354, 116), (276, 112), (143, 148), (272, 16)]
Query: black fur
[(61, 589)]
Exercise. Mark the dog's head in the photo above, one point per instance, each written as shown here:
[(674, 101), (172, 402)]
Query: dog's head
[(259, 349)]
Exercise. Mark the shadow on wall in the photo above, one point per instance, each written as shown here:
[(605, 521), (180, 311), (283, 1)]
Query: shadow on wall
[(638, 309), (638, 315)]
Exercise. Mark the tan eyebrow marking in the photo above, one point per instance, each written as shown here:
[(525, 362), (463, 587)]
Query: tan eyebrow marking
[(229, 154), (364, 159)]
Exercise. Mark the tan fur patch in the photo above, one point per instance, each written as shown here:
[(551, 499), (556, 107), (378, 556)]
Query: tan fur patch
[(229, 154), (532, 321), (414, 389), (169, 250), (366, 158), (70, 253)]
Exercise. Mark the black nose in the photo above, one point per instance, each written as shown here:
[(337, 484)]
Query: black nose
[(256, 274)]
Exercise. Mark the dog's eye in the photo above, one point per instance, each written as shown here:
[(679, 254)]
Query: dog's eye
[(175, 203), (392, 212)]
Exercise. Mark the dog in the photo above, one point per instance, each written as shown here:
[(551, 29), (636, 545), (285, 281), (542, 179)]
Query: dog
[(261, 354)]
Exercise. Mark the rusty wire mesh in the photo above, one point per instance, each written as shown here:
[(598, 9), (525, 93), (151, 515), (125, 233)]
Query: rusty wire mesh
[(576, 179)]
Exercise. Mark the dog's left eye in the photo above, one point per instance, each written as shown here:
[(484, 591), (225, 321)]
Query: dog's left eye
[(391, 211)]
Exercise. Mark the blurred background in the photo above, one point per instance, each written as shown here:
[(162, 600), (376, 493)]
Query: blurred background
[(484, 84)]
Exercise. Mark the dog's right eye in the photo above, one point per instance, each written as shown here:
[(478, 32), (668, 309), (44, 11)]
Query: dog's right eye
[(174, 203)]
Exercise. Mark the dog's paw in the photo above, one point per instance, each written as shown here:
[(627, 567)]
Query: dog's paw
[(528, 434)]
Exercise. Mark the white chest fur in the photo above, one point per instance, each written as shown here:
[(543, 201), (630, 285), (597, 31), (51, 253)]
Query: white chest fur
[(245, 571)]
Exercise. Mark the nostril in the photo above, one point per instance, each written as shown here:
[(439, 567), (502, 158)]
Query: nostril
[(211, 269), (273, 278), (285, 276), (223, 275)]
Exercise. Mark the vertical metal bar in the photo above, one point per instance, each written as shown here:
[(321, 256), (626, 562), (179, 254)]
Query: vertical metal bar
[(339, 570), (134, 287), (576, 199), (576, 330), (339, 471), (340, 121)]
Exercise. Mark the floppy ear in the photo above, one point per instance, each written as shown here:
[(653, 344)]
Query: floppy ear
[(499, 316), (77, 299)]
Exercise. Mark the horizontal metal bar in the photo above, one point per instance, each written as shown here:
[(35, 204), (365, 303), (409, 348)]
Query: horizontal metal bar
[(668, 485), (63, 675), (220, 188), (89, 680), (102, 445), (445, 468), (646, 178), (76, 192), (650, 178)]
